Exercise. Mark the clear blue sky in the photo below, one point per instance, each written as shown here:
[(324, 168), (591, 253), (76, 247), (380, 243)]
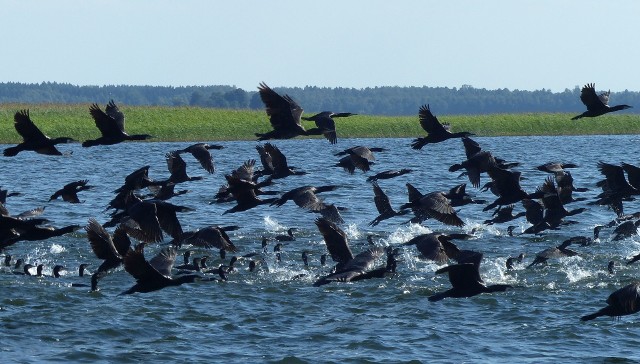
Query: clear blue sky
[(514, 44)]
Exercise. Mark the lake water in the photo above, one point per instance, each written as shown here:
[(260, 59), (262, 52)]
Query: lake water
[(272, 315)]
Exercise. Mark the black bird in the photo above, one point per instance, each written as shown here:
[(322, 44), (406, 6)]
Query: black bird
[(69, 192), (359, 157), (503, 214), (165, 191), (507, 185), (211, 237), (284, 115), (200, 151), (325, 124), (624, 301), (288, 237), (459, 196), (178, 169), (565, 187), (466, 281), (388, 174), (348, 267), (559, 251), (437, 131), (305, 197), (32, 138), (111, 125), (147, 219), (432, 205), (111, 249), (596, 104), (615, 187), (439, 248), (275, 162), (477, 161), (626, 229), (554, 210), (245, 195), (385, 211), (554, 167), (137, 180), (511, 260), (154, 274)]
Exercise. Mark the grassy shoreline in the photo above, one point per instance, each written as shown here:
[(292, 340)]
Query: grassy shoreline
[(205, 124)]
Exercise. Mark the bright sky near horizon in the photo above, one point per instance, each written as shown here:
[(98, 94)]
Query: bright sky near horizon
[(525, 44)]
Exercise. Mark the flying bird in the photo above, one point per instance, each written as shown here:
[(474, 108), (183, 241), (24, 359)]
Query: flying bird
[(32, 138), (437, 132), (111, 125), (596, 104)]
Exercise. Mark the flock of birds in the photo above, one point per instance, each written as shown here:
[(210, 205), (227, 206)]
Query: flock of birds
[(148, 217)]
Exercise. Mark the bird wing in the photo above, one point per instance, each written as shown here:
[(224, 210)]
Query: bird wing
[(471, 147), (307, 199), (26, 128), (136, 265), (365, 260), (105, 123), (283, 111), (277, 157), (114, 113), (163, 261), (100, 241), (381, 199), (429, 122), (464, 276), (202, 155), (335, 239), (590, 99)]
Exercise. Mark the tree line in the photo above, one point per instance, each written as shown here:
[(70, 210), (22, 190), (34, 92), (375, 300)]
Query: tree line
[(386, 100)]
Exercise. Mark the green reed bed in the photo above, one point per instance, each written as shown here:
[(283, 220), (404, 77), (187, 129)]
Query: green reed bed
[(203, 124)]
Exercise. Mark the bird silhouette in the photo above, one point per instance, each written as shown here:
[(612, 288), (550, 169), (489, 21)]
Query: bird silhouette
[(32, 138), (111, 125), (436, 131), (624, 301), (596, 104)]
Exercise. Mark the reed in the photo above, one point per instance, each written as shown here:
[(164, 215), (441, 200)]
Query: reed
[(205, 124)]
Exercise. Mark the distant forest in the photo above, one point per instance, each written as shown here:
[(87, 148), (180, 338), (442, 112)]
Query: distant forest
[(385, 100)]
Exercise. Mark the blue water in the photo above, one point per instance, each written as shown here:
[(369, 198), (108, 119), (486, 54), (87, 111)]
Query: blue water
[(273, 316)]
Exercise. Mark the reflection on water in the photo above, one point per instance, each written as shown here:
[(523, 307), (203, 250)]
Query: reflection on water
[(275, 313)]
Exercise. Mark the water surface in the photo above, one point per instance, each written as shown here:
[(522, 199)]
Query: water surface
[(274, 316)]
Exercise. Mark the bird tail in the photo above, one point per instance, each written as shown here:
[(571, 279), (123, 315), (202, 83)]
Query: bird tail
[(438, 296), (455, 167), (593, 315), (418, 143), (576, 117), (11, 151)]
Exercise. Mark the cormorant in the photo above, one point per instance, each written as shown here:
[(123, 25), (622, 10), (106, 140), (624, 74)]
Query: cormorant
[(596, 104), (32, 138), (111, 125), (436, 131), (111, 249), (388, 174), (200, 151), (432, 205), (325, 125), (284, 115), (70, 191), (624, 301), (154, 274), (466, 281), (385, 211)]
